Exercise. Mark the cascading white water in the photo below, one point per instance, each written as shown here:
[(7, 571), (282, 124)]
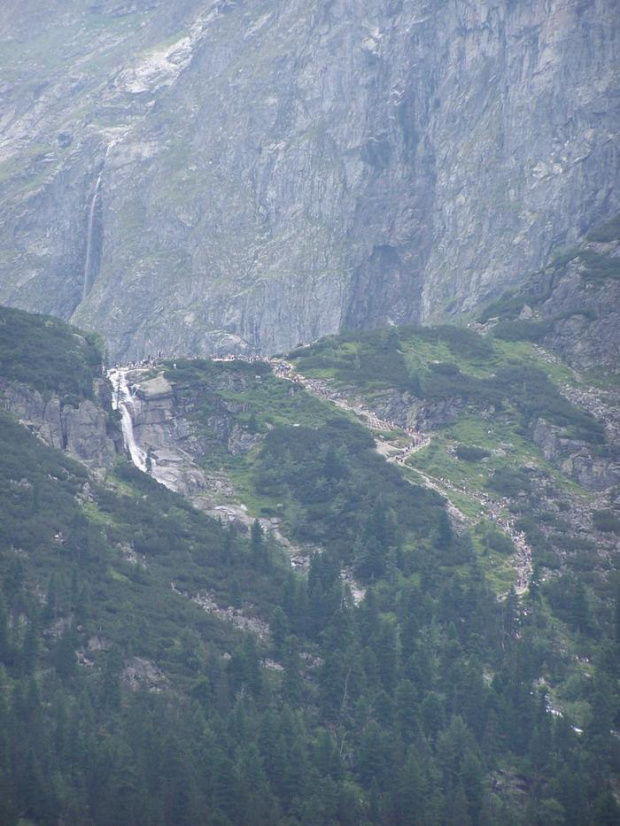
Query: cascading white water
[(89, 238), (123, 400)]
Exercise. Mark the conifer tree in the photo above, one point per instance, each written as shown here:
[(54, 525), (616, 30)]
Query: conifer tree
[(279, 631), (258, 548)]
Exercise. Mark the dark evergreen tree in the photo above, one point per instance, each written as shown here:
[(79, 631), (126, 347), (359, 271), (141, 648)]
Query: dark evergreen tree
[(280, 630), (5, 647), (65, 658), (258, 546)]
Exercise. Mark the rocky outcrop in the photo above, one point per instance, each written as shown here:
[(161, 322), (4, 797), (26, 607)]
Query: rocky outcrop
[(578, 460), (581, 305), (142, 674), (164, 435), (165, 430), (236, 616), (408, 411), (223, 176), (82, 431), (594, 467), (572, 306)]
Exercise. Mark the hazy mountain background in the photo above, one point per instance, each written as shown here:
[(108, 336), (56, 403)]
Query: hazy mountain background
[(197, 176)]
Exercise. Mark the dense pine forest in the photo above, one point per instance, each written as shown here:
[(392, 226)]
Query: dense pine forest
[(124, 701)]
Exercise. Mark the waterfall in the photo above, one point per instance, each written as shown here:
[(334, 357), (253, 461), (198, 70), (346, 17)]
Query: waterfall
[(88, 263), (123, 400), (145, 460)]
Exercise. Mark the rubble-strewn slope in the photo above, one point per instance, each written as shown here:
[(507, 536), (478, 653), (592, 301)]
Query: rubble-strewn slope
[(517, 440)]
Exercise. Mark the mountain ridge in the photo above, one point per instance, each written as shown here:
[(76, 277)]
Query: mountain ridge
[(248, 178)]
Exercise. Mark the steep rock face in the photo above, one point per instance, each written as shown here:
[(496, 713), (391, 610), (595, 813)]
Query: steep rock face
[(576, 459), (408, 411), (82, 431), (572, 306), (163, 427), (582, 307), (232, 175), (165, 436)]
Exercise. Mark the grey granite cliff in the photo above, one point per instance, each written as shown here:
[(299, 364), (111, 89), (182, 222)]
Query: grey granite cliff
[(82, 430), (201, 176)]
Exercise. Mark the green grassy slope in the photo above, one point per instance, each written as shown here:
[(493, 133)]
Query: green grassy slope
[(314, 468), (47, 354)]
